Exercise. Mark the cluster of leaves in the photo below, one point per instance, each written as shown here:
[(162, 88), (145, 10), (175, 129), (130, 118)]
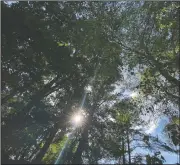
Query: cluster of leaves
[(54, 150), (173, 130)]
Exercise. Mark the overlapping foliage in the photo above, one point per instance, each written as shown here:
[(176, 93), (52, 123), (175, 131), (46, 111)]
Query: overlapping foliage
[(51, 51)]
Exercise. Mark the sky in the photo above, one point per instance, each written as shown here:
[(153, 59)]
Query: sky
[(155, 129), (156, 123), (158, 130), (10, 2)]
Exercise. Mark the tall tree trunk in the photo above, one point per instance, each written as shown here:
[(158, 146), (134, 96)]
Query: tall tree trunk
[(128, 144), (67, 159), (44, 149), (83, 143), (123, 148), (77, 159), (120, 157)]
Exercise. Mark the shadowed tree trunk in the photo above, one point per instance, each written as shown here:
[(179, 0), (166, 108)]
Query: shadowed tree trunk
[(123, 148), (44, 149), (77, 159), (128, 143)]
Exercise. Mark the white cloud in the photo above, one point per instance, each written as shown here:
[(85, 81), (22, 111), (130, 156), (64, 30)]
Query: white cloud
[(148, 129), (151, 127)]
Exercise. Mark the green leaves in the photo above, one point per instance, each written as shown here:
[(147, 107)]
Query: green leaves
[(54, 150), (12, 111), (123, 118), (62, 44), (172, 130), (176, 120), (41, 145), (12, 100), (38, 39)]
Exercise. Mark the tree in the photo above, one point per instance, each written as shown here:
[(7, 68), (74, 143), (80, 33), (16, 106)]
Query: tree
[(154, 45), (57, 50), (172, 130)]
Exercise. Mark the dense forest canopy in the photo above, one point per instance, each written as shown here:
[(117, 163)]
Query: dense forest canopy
[(81, 80)]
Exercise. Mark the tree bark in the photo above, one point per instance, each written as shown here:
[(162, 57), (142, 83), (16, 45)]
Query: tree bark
[(123, 148), (44, 149), (128, 143), (69, 154), (77, 159)]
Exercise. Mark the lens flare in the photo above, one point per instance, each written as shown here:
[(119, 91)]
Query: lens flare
[(88, 88), (77, 119)]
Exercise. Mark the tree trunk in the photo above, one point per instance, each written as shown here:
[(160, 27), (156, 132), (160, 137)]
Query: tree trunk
[(77, 159), (128, 143), (120, 157), (83, 143), (67, 158), (123, 146), (44, 149)]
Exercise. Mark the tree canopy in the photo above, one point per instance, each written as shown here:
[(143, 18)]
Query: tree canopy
[(79, 80)]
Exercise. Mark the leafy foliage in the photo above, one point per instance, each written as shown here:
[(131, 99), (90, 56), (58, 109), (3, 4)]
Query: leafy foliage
[(53, 51)]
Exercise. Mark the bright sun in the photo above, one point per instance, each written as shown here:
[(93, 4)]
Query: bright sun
[(77, 119), (88, 88)]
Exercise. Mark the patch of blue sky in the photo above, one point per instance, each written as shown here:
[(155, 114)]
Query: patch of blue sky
[(171, 158), (157, 130)]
